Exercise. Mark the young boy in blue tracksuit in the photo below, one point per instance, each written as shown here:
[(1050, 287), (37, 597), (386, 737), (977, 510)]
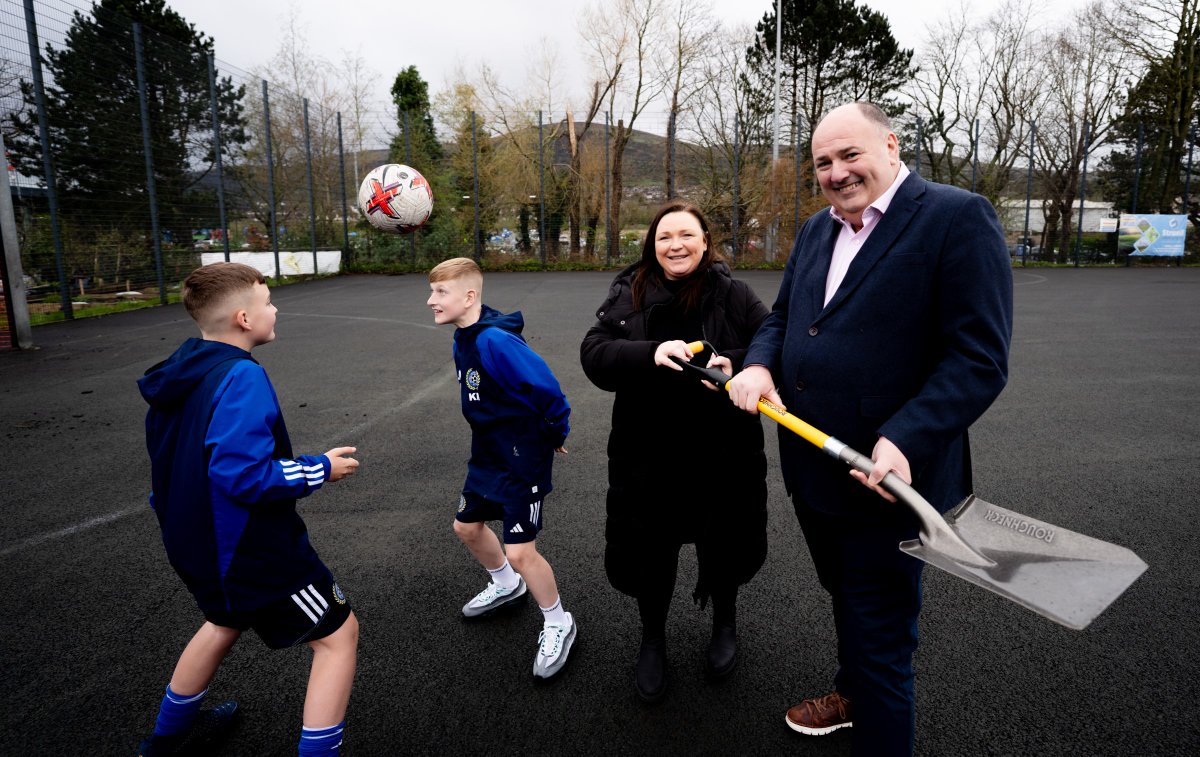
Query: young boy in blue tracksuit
[(518, 417), (224, 489)]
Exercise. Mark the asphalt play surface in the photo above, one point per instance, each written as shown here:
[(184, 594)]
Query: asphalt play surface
[(1097, 432)]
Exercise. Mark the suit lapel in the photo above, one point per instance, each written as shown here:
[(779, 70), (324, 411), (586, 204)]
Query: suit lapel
[(900, 212), (826, 238)]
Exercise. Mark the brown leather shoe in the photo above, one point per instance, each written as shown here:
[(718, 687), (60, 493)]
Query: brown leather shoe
[(821, 715)]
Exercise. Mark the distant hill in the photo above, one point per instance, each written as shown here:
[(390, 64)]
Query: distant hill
[(643, 162)]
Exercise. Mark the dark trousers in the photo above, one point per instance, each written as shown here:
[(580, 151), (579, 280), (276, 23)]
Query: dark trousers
[(876, 593), (660, 567)]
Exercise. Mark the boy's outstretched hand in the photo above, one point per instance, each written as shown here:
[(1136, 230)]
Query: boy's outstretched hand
[(339, 466)]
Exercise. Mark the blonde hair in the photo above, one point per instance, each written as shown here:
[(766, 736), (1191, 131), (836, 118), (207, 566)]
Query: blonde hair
[(208, 288), (455, 268)]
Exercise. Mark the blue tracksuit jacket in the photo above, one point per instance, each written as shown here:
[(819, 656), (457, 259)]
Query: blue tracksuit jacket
[(225, 481), (517, 411)]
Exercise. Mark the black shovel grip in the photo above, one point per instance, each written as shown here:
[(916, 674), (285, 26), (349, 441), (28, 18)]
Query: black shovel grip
[(715, 375)]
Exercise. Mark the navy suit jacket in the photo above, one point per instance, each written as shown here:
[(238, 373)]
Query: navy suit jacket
[(913, 346)]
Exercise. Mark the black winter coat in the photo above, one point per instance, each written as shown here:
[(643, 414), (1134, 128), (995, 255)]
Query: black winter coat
[(685, 465)]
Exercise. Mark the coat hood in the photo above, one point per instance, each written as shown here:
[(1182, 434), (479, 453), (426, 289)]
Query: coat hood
[(512, 322), (172, 381)]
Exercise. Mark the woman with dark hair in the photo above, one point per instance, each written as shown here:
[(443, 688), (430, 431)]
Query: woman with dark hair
[(668, 429)]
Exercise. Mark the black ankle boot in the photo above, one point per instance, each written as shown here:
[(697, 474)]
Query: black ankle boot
[(650, 677), (722, 655)]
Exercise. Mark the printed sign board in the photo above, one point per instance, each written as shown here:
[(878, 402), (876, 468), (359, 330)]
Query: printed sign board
[(1152, 234)]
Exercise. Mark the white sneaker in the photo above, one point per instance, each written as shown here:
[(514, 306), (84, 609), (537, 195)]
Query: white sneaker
[(554, 645), (493, 598)]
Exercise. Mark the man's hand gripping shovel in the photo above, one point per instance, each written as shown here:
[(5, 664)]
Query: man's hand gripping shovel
[(1059, 574)]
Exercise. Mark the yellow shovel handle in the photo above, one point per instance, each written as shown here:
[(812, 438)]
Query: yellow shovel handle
[(778, 414), (935, 532)]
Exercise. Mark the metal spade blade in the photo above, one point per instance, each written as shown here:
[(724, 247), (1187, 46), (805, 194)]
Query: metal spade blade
[(1059, 574)]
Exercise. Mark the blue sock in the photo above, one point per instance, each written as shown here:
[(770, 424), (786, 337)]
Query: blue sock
[(177, 713), (318, 742)]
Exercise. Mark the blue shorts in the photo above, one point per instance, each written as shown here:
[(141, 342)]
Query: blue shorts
[(521, 522), (313, 612)]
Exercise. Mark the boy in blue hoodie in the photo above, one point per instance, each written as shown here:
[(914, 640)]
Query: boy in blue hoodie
[(518, 417), (224, 489)]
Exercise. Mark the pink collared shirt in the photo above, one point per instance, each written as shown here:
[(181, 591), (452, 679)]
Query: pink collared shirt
[(849, 241)]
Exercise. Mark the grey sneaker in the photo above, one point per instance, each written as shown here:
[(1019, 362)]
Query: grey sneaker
[(493, 598), (554, 645)]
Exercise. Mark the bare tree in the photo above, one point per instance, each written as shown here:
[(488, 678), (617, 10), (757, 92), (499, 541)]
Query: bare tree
[(355, 80), (1084, 69), (690, 26), (978, 73), (623, 39), (296, 76), (725, 105), (522, 148)]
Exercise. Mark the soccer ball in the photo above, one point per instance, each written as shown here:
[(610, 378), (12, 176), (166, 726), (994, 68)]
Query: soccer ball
[(395, 197)]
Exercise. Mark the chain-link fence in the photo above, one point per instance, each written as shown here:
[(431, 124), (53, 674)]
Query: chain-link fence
[(156, 155), (135, 156)]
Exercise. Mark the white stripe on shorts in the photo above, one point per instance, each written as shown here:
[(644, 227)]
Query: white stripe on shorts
[(300, 603), (317, 594), (317, 608)]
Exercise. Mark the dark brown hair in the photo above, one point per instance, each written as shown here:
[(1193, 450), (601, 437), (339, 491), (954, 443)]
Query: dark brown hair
[(209, 286), (650, 270)]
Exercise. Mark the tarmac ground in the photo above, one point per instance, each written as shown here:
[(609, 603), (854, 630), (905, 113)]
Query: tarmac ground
[(1097, 432)]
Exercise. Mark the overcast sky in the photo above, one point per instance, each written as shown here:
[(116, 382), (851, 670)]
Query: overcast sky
[(440, 36)]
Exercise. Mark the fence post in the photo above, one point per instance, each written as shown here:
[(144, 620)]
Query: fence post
[(1187, 178), (917, 165), (975, 157), (475, 186), (39, 91), (156, 238), (736, 189), (799, 177), (671, 154), (608, 243), (342, 184), (312, 207), (274, 230), (1028, 193), (1137, 171), (412, 237), (541, 192), (216, 122), (1082, 194)]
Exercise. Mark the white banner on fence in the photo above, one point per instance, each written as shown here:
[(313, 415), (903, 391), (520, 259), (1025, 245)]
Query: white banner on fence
[(290, 263)]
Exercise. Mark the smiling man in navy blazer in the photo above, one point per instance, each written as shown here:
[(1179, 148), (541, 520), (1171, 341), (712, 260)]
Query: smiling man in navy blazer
[(891, 332)]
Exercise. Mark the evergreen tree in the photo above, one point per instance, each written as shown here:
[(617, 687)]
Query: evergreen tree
[(445, 234), (831, 52), (410, 94), (94, 116), (1154, 105)]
